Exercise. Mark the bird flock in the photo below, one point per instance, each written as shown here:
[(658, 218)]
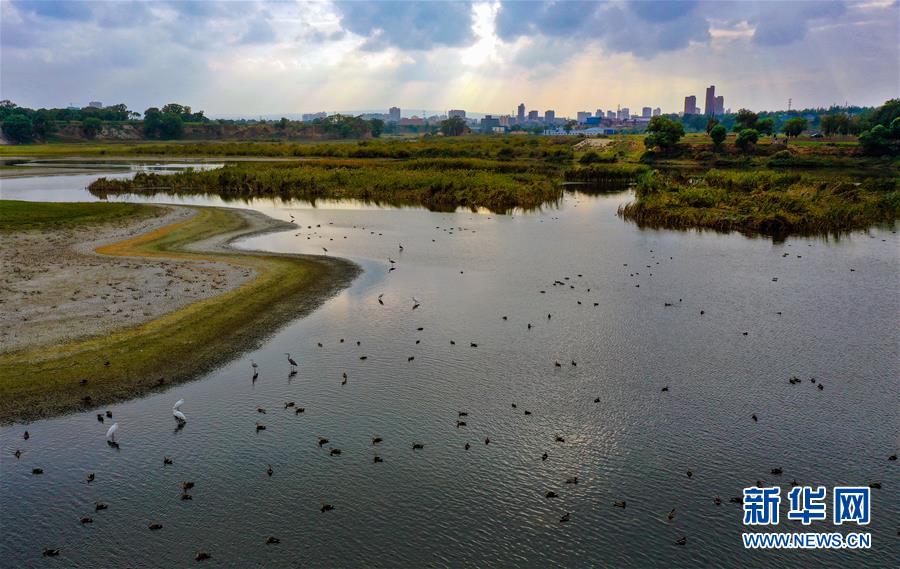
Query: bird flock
[(460, 420)]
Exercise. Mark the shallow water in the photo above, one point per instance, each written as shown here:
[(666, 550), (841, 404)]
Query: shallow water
[(445, 506)]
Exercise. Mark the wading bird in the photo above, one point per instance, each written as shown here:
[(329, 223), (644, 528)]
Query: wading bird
[(111, 435), (291, 361), (176, 412)]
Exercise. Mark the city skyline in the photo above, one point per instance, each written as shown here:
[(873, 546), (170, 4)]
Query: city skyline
[(252, 58)]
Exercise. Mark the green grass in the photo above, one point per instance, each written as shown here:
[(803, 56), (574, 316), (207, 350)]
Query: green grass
[(179, 346), (769, 203), (440, 184), (23, 216)]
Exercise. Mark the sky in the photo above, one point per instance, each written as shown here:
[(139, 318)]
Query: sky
[(237, 58)]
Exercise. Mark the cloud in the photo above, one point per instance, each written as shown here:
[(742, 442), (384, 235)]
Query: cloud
[(644, 28), (408, 25)]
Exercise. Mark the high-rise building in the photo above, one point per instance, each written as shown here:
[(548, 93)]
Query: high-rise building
[(394, 114), (646, 112), (623, 114), (489, 123), (520, 115), (610, 114), (549, 115), (657, 111), (690, 105), (533, 116), (720, 105), (583, 116), (710, 107), (456, 113), (599, 113), (95, 105)]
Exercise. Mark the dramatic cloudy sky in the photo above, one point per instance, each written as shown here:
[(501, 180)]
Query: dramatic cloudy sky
[(291, 56)]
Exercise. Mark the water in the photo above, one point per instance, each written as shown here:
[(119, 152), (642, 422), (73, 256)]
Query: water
[(445, 506)]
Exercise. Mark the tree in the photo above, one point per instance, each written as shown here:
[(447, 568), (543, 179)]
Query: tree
[(18, 128), (745, 119), (377, 127), (283, 123), (877, 141), (718, 134), (793, 127), (152, 122), (711, 124), (765, 126), (570, 124), (747, 138), (91, 126), (454, 126), (664, 133), (171, 126)]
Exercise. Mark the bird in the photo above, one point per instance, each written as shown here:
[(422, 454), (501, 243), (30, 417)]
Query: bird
[(544, 456), (202, 556), (467, 446), (26, 436), (260, 427), (99, 417), (620, 504), (322, 442), (155, 526), (86, 520), (109, 414), (291, 361), (37, 470), (299, 410), (681, 540), (18, 453), (269, 470), (334, 452), (261, 410), (176, 412), (551, 494), (572, 480), (288, 404), (415, 303), (666, 388), (564, 518), (671, 514), (487, 440), (50, 552), (376, 440), (417, 446), (379, 299), (777, 471), (559, 439), (254, 365), (690, 473), (377, 459), (327, 508), (111, 435), (90, 477), (400, 246), (717, 500), (272, 540), (167, 460), (754, 417), (98, 506), (186, 485)]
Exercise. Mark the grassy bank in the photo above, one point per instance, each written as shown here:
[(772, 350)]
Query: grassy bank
[(176, 347), (24, 216), (440, 184), (764, 202)]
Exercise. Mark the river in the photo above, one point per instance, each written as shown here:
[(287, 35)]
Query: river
[(722, 320)]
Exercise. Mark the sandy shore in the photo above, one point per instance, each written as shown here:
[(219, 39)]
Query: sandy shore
[(55, 288)]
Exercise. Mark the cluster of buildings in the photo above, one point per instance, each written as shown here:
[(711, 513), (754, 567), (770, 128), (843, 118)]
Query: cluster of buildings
[(586, 122), (715, 105)]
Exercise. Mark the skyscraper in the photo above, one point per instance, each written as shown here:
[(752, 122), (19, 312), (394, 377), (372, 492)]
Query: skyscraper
[(520, 116), (690, 105), (646, 112), (710, 107), (549, 115), (394, 114), (452, 113), (720, 105), (657, 111), (533, 116)]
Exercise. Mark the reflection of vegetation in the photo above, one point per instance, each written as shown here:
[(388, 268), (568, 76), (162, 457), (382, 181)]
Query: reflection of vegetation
[(43, 381), (439, 184), (763, 202)]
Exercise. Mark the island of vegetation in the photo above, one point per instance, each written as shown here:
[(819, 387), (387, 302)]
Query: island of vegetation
[(247, 296), (752, 172)]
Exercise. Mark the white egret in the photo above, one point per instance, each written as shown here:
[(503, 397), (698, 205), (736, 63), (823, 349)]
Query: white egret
[(111, 433), (176, 412)]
